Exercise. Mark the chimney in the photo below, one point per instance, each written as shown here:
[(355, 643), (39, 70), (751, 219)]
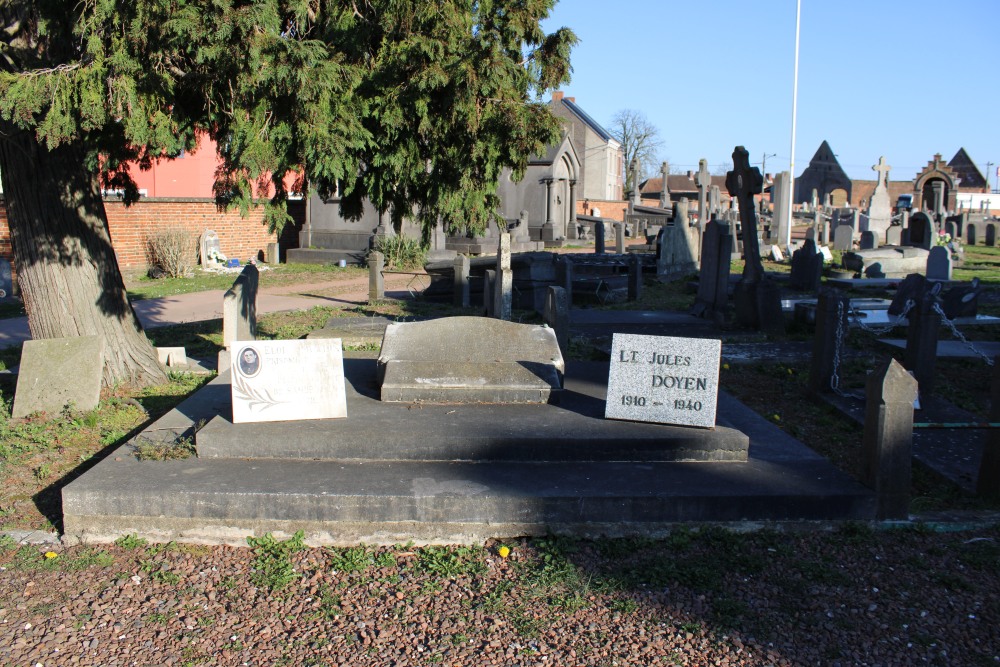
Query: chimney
[(690, 175), (557, 95)]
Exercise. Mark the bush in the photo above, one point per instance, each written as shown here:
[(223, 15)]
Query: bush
[(172, 254), (401, 252)]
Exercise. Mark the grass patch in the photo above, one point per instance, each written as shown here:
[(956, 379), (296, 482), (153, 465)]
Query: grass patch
[(142, 287), (272, 564)]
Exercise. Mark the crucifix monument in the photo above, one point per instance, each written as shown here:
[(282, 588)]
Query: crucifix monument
[(757, 299), (704, 180), (665, 190)]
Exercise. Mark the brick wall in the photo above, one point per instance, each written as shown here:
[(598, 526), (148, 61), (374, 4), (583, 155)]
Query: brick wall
[(131, 227)]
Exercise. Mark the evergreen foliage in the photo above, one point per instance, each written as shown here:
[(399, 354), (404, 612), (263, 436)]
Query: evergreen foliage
[(416, 105)]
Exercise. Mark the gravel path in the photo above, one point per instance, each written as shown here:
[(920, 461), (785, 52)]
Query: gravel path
[(848, 597)]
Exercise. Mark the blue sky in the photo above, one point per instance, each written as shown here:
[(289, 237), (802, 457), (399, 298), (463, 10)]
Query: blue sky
[(903, 79)]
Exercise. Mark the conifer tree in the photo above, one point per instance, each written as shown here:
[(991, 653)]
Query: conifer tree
[(415, 105)]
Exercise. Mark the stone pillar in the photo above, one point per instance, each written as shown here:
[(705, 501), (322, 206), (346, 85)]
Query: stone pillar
[(461, 297), (503, 289), (548, 202), (572, 232), (634, 277), (665, 188), (888, 438), (620, 238), (376, 281), (239, 308), (922, 340), (988, 483), (599, 237), (831, 330)]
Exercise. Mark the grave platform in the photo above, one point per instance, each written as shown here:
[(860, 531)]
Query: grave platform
[(555, 471)]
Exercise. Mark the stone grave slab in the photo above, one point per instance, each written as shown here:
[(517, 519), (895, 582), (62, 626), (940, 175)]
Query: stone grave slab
[(469, 360), (288, 380), (56, 372), (664, 379)]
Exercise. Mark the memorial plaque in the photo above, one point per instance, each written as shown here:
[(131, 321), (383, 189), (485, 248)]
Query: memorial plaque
[(664, 379), (286, 380)]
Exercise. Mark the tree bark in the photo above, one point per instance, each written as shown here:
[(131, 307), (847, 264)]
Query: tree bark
[(67, 270)]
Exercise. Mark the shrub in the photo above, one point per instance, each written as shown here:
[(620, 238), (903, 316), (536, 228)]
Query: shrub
[(172, 253), (401, 252)]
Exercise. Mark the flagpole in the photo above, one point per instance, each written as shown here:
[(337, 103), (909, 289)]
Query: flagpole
[(795, 99)]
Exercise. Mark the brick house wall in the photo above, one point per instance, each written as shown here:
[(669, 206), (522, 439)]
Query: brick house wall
[(132, 227)]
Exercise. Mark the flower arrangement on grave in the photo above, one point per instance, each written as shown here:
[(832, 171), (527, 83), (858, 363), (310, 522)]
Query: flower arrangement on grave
[(217, 256), (954, 245)]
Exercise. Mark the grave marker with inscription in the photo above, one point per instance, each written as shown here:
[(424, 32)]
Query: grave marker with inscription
[(664, 379), (287, 380)]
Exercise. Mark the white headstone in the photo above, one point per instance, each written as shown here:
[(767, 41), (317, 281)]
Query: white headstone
[(286, 380), (663, 379)]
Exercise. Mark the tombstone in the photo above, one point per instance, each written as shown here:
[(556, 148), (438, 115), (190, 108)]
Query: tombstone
[(939, 263), (636, 195), (991, 235), (757, 299), (874, 271), (880, 208), (376, 281), (825, 252), (704, 181), (894, 235), (287, 380), (209, 248), (172, 357), (961, 300), (970, 233), (644, 383), (776, 255), (564, 277), (6, 280), (782, 213), (469, 360), (462, 296), (951, 229), (713, 279), (273, 254), (807, 268), (888, 436), (239, 308), (489, 292), (831, 330), (619, 238), (503, 292), (599, 237), (843, 238), (921, 231), (922, 333), (56, 373), (556, 315), (714, 201), (868, 241)]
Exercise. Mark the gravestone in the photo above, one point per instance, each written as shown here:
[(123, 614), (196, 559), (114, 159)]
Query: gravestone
[(665, 188), (922, 334), (239, 308), (172, 357), (489, 292), (757, 300), (288, 380), (273, 254), (599, 237), (663, 379), (961, 300), (556, 315), (782, 213), (619, 237), (921, 231), (894, 235), (6, 280), (209, 248), (951, 229), (825, 252), (843, 238), (634, 277), (888, 436), (991, 235), (469, 360), (831, 330), (636, 195), (59, 372), (681, 212), (970, 232), (880, 208), (713, 279), (939, 263), (868, 241), (807, 268), (376, 280), (714, 201), (704, 181), (504, 285), (776, 255)]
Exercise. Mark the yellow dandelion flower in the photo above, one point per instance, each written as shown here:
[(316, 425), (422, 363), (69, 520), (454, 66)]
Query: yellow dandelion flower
[(51, 554), (725, 366), (503, 551)]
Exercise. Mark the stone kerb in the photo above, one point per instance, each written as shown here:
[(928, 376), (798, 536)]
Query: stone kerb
[(239, 308), (469, 360)]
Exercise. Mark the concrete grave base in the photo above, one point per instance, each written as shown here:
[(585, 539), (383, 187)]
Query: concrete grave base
[(390, 500)]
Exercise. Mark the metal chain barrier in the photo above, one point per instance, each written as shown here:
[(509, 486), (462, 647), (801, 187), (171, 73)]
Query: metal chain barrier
[(881, 331), (838, 344), (958, 334)]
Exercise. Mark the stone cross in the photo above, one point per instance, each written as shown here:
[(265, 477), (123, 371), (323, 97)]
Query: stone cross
[(704, 181), (743, 182), (665, 190), (883, 172), (636, 197), (503, 289)]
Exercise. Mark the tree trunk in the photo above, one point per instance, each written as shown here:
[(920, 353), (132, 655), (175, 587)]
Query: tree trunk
[(66, 268)]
